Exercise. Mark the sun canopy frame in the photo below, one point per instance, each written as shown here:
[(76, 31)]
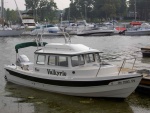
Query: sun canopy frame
[(28, 44)]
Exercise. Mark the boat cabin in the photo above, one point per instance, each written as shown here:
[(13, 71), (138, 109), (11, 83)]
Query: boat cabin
[(71, 60), (67, 59), (66, 55)]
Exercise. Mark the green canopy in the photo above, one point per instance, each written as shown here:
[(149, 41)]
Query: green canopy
[(28, 44)]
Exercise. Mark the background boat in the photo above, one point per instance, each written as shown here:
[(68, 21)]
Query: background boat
[(12, 32), (5, 29)]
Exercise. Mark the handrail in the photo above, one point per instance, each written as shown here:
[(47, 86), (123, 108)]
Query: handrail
[(123, 64), (66, 35)]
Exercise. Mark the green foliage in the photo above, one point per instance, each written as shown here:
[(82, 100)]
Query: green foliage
[(11, 16), (42, 9), (96, 9), (142, 8)]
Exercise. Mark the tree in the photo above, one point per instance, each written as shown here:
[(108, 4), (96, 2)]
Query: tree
[(11, 16), (96, 9), (44, 9), (142, 8)]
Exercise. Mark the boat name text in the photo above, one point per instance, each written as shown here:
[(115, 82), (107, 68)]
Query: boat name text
[(126, 81), (122, 82), (54, 72)]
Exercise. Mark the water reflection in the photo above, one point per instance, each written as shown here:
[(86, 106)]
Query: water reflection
[(139, 103), (46, 102)]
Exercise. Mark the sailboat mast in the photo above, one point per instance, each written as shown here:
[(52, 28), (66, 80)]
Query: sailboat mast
[(2, 8), (18, 10), (2, 12)]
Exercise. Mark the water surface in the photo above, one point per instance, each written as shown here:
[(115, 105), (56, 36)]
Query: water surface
[(19, 99)]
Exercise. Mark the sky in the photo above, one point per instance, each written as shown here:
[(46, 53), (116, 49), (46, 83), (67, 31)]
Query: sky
[(61, 4)]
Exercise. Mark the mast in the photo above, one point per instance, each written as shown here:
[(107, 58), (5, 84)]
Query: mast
[(2, 12), (18, 10), (2, 9)]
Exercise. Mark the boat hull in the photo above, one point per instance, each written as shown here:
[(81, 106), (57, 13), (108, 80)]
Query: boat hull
[(114, 88), (14, 32), (95, 33), (136, 33), (145, 52), (144, 86)]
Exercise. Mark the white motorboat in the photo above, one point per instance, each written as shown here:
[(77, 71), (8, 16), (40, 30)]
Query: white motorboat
[(47, 30), (10, 32), (144, 29), (94, 31), (73, 28), (71, 69), (6, 30), (28, 22)]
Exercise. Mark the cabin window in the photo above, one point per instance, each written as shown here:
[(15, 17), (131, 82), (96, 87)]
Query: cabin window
[(52, 60), (58, 61), (90, 58), (41, 59), (81, 60), (97, 57), (63, 61), (77, 60)]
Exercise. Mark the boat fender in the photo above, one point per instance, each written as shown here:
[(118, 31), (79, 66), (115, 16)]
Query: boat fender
[(73, 72)]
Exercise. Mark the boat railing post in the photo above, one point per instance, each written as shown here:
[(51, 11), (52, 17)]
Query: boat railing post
[(123, 63), (16, 59), (98, 69), (100, 61), (65, 36), (134, 63)]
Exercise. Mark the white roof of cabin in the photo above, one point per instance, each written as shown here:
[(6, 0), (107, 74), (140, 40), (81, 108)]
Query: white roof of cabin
[(67, 49)]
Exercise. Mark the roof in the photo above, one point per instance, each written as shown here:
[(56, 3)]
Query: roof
[(66, 49)]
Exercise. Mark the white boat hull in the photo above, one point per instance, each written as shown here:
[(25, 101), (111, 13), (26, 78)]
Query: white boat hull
[(14, 32), (142, 32), (95, 32), (119, 87)]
